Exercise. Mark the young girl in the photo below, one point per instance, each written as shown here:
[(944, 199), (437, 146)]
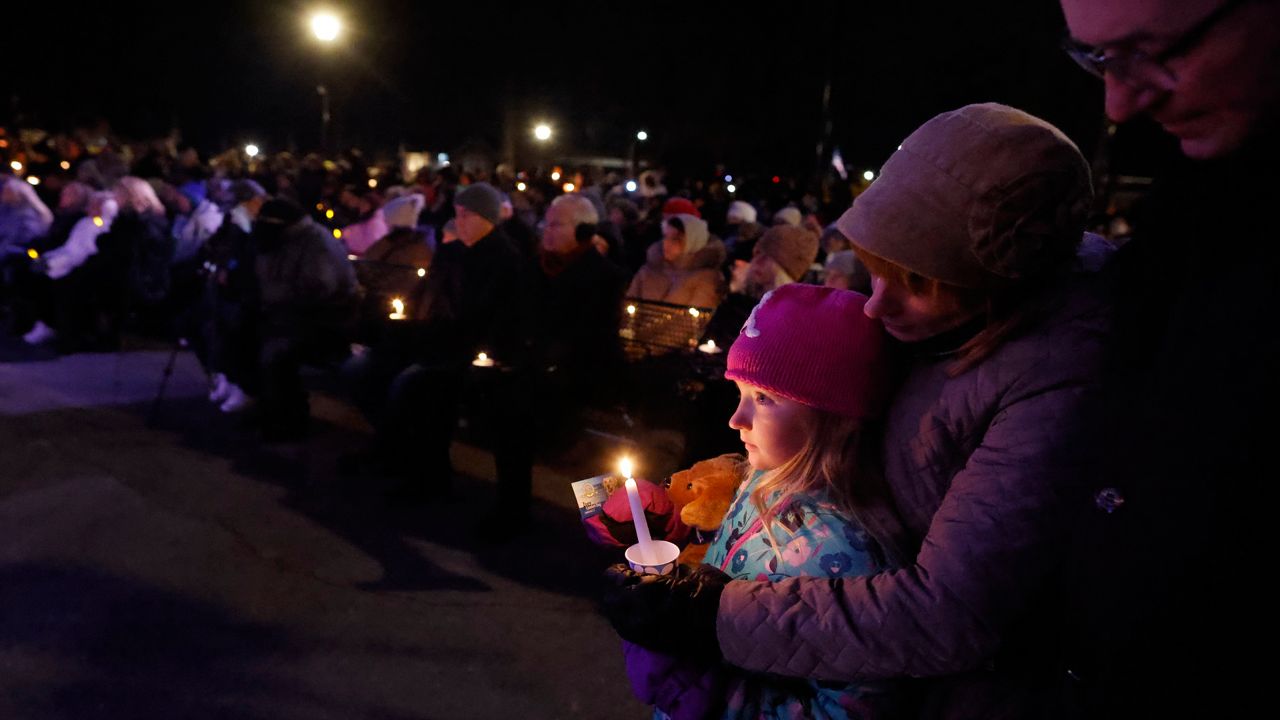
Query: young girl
[(811, 373)]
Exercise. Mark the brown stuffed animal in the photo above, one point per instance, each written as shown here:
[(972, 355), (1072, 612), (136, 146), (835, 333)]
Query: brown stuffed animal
[(705, 491)]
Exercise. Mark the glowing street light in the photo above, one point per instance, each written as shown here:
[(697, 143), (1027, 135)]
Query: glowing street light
[(325, 26), (521, 187), (251, 150), (732, 188), (542, 132), (868, 176), (631, 186), (642, 136)]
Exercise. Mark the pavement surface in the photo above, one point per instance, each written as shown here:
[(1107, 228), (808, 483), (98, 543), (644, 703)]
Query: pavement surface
[(158, 561)]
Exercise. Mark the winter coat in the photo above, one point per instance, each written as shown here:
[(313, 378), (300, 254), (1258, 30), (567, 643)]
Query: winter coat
[(80, 245), (816, 539), (474, 300), (981, 467), (305, 277), (192, 232), (19, 227), (579, 310), (360, 236), (390, 266), (694, 279), (1166, 602)]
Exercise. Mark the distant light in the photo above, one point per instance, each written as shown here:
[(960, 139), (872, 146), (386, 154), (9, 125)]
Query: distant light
[(868, 176), (373, 183), (542, 132), (728, 178), (351, 258), (33, 179), (33, 254), (64, 165), (17, 166), (642, 136), (776, 179), (328, 214), (320, 206), (694, 312), (97, 221), (442, 158), (251, 150), (732, 188), (521, 186), (325, 26), (632, 186), (567, 187), (422, 272), (337, 234), (555, 175), (631, 309)]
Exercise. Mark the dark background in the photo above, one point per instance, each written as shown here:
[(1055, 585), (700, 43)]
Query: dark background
[(711, 82)]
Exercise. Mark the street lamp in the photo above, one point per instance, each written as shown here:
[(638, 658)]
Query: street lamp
[(542, 132), (325, 26), (642, 136), (251, 150), (868, 176)]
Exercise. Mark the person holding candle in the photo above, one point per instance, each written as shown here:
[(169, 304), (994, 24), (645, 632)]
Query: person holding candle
[(972, 235), (809, 394)]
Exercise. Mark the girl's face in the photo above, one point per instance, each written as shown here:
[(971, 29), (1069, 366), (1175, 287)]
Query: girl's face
[(772, 428)]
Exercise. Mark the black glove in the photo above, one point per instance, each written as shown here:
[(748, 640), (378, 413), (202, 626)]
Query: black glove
[(673, 613)]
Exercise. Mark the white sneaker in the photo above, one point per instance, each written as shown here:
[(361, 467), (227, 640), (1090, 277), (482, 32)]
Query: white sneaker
[(237, 400), (39, 334), (220, 389)]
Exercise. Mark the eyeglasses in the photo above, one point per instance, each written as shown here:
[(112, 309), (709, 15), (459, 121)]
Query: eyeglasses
[(1140, 69)]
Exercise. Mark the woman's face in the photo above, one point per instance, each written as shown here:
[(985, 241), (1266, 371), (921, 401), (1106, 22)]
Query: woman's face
[(912, 317), (672, 243), (773, 429)]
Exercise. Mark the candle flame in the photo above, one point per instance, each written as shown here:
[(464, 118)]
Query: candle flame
[(398, 306), (422, 272), (624, 467), (711, 343), (694, 312), (482, 357), (33, 254), (631, 309), (97, 221)]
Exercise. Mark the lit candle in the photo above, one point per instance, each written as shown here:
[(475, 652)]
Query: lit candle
[(482, 360), (637, 511), (33, 254), (631, 309), (398, 306), (422, 272), (97, 221), (709, 347)]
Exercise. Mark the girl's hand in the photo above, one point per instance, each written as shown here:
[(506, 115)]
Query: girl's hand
[(673, 613)]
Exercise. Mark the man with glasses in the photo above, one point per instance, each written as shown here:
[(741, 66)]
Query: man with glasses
[(1172, 547)]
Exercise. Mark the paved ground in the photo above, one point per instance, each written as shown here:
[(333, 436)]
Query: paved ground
[(183, 570)]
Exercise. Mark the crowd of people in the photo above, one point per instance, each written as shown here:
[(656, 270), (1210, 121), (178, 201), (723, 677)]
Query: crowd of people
[(396, 285), (995, 465)]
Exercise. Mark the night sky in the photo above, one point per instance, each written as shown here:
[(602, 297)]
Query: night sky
[(711, 82)]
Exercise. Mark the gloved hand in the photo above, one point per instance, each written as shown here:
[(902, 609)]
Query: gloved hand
[(612, 527), (673, 613)]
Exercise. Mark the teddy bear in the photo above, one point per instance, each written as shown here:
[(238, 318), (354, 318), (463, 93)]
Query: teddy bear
[(703, 494)]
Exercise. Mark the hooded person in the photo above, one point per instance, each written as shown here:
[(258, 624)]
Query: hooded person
[(684, 268), (393, 266), (845, 271), (970, 234), (743, 230), (308, 295)]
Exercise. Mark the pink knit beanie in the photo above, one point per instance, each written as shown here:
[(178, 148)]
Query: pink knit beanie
[(814, 345)]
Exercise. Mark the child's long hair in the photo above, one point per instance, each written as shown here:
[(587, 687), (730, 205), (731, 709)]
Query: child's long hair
[(840, 456)]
